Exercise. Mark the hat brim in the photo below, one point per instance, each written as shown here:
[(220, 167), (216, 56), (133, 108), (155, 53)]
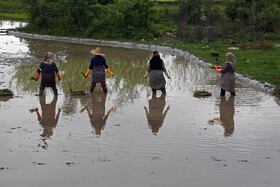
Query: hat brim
[(97, 53)]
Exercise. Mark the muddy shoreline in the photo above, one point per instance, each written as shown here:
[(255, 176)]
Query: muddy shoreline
[(242, 78)]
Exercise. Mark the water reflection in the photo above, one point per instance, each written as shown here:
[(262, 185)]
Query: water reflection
[(8, 24), (98, 117), (48, 119), (156, 114), (227, 115)]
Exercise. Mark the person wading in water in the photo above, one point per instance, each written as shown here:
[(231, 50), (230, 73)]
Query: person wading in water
[(98, 65), (155, 71)]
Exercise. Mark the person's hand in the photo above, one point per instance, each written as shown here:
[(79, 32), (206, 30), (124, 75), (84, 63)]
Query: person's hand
[(168, 77), (145, 76), (36, 79), (218, 68)]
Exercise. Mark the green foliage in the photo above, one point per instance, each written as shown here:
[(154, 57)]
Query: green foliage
[(119, 19), (14, 16), (255, 17), (31, 78), (62, 17), (145, 19), (124, 19), (200, 91), (12, 6)]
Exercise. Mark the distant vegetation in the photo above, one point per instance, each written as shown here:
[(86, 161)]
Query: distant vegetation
[(13, 10), (190, 20), (13, 6)]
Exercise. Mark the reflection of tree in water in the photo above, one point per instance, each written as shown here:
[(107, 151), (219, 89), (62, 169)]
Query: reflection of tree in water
[(156, 114), (128, 65), (227, 115), (98, 117), (48, 119), (80, 52)]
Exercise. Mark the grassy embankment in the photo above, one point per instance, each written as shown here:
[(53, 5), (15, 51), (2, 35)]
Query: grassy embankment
[(13, 10)]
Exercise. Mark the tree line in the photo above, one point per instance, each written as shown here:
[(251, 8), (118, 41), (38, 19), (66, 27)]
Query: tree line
[(250, 20)]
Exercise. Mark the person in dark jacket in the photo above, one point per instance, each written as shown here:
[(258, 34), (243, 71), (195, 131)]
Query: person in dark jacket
[(48, 69), (98, 65), (227, 81), (155, 71)]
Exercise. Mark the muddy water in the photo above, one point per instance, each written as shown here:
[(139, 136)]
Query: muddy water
[(127, 137)]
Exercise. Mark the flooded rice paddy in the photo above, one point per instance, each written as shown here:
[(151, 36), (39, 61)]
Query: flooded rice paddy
[(127, 137)]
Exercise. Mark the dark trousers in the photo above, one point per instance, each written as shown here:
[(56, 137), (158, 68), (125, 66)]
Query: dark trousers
[(223, 92), (103, 85), (41, 91), (162, 90)]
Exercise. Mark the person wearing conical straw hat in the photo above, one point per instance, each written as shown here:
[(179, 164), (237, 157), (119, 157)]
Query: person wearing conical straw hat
[(98, 65)]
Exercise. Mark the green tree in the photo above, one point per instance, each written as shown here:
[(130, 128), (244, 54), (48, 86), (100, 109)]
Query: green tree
[(124, 19), (256, 17)]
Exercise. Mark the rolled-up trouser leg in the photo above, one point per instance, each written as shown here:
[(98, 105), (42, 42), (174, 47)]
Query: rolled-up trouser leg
[(41, 91), (103, 85), (223, 92), (93, 84), (54, 90)]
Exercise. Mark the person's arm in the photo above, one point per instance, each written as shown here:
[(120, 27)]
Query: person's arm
[(57, 73), (57, 115), (88, 112), (107, 115), (89, 68), (218, 69), (109, 71), (225, 68), (107, 68), (38, 114), (38, 72)]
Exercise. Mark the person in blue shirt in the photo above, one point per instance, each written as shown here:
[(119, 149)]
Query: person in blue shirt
[(48, 69), (98, 65)]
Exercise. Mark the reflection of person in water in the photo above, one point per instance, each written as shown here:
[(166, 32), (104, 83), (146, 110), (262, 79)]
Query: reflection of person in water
[(48, 120), (156, 116), (227, 114), (97, 117)]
